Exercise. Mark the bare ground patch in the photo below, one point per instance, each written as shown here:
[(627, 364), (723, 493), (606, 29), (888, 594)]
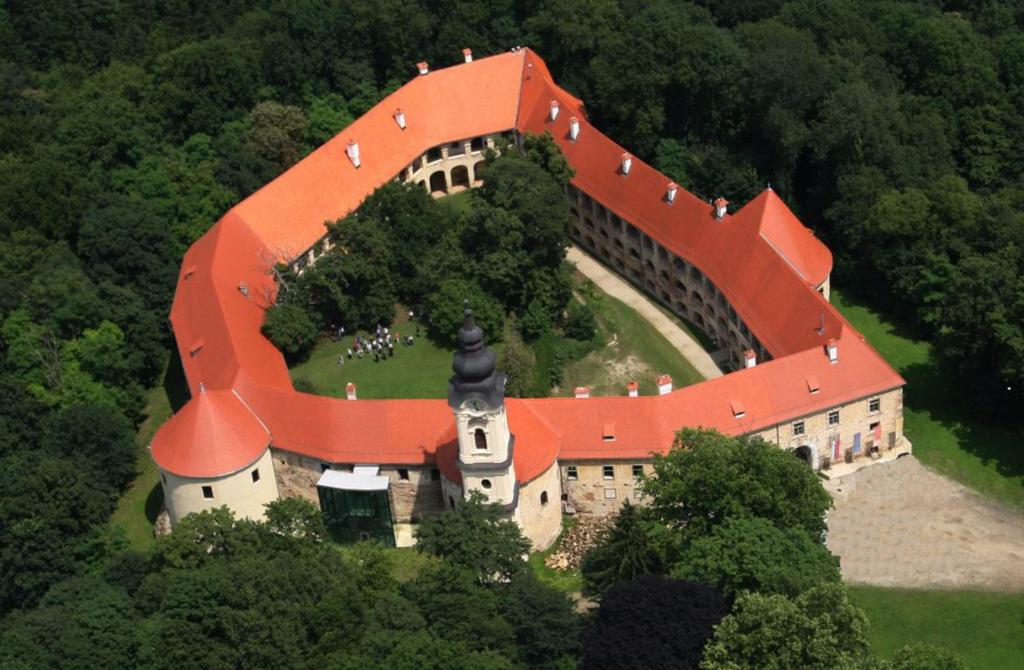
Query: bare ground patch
[(900, 524)]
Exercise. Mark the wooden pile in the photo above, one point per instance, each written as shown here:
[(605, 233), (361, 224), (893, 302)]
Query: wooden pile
[(577, 541)]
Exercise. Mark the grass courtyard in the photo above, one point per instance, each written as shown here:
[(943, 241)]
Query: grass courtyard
[(980, 454)]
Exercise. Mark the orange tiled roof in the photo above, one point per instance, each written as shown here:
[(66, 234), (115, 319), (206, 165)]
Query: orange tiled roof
[(763, 260)]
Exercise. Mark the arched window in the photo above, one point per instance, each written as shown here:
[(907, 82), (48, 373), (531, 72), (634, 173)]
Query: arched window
[(543, 497), (480, 438)]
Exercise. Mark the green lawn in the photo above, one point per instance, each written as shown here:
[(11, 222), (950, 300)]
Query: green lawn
[(568, 581), (978, 453), (459, 203), (640, 352), (987, 629)]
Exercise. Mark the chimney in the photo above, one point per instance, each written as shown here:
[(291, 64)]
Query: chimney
[(350, 391), (633, 389), (832, 349), (670, 192), (721, 205), (468, 55), (581, 392), (574, 128), (554, 110), (353, 152), (627, 163), (664, 385), (400, 118), (749, 358), (423, 67)]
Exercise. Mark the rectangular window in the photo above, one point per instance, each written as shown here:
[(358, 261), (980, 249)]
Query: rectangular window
[(403, 474), (799, 428), (255, 475), (875, 405), (638, 471), (208, 492), (324, 467), (609, 494), (571, 472), (608, 471), (833, 418)]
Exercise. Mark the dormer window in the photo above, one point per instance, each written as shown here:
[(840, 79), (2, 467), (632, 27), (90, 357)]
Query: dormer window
[(608, 434), (738, 411)]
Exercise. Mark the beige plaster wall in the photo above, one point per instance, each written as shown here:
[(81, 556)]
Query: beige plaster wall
[(541, 522), (184, 495)]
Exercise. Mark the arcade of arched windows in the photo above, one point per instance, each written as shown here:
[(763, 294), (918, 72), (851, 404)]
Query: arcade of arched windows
[(453, 166), (671, 280)]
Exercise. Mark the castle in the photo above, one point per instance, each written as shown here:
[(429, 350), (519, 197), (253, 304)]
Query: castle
[(755, 280)]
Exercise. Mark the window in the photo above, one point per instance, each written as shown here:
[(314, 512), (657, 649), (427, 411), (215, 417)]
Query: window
[(403, 474), (875, 405), (324, 467), (608, 471), (255, 475), (543, 497), (434, 154), (208, 492), (638, 471), (609, 494), (480, 439), (571, 473), (486, 483), (799, 428), (435, 475), (833, 418)]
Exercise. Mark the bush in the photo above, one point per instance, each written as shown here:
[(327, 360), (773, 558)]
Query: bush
[(290, 328), (445, 310), (581, 323)]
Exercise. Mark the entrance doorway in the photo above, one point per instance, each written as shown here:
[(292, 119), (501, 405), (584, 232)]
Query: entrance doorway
[(805, 455)]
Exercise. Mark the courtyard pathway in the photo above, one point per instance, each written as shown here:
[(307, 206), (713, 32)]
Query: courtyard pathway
[(900, 524), (611, 284)]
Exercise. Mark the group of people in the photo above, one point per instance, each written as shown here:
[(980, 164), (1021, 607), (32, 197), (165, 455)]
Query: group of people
[(381, 345)]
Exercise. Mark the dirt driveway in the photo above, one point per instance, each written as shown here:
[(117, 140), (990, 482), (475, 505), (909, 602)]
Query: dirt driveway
[(900, 524)]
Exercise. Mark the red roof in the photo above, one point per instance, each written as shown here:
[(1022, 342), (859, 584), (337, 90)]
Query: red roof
[(213, 434), (761, 258)]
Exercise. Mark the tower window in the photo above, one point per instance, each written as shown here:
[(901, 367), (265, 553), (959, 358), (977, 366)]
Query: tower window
[(571, 472), (480, 439), (403, 474), (543, 497), (255, 475), (208, 492), (486, 483)]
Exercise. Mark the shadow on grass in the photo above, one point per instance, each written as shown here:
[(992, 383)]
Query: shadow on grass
[(175, 383), (154, 502)]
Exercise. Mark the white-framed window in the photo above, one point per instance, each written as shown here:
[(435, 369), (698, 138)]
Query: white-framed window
[(571, 473), (799, 428), (208, 492), (609, 494), (833, 418), (608, 471), (875, 405)]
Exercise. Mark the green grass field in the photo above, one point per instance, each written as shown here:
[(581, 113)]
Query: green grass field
[(987, 629), (946, 437), (639, 352)]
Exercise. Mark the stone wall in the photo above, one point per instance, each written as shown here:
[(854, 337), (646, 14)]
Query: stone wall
[(591, 493)]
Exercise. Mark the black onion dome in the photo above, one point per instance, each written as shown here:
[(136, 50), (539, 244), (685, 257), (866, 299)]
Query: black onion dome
[(473, 361)]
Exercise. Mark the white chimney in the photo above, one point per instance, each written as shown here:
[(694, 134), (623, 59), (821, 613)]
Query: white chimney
[(664, 385), (423, 67), (581, 392), (554, 110), (832, 349), (350, 391), (400, 118), (353, 152), (627, 163), (721, 206), (574, 128), (468, 55), (670, 193), (633, 389), (749, 358)]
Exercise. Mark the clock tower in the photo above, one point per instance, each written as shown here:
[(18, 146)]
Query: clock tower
[(476, 394)]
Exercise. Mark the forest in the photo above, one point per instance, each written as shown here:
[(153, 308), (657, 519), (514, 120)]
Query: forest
[(128, 127)]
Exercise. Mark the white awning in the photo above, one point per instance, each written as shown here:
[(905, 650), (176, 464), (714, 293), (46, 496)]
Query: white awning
[(350, 481)]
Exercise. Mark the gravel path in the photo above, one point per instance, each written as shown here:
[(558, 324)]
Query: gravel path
[(900, 524), (619, 288)]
